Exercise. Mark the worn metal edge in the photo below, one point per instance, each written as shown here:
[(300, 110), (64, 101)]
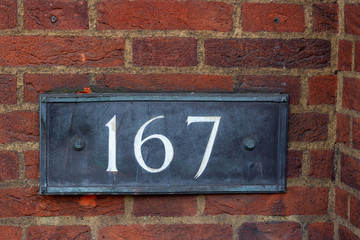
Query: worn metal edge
[(219, 97), (162, 190)]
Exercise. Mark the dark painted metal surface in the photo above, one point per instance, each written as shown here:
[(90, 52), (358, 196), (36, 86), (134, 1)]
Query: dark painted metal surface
[(248, 154)]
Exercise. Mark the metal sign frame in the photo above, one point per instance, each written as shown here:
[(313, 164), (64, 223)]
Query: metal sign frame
[(281, 101)]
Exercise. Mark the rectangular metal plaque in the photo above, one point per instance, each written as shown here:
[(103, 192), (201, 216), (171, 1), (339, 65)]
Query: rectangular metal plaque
[(163, 143)]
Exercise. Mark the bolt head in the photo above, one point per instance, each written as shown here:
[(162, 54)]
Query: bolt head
[(249, 143), (77, 143)]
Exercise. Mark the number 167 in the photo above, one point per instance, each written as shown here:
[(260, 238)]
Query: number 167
[(169, 150)]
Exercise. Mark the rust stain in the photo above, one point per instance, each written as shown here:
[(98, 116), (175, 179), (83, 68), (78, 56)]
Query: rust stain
[(88, 201), (85, 91)]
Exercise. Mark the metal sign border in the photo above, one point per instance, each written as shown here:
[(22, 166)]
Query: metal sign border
[(282, 99)]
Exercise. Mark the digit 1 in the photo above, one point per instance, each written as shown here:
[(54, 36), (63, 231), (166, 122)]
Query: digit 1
[(112, 145)]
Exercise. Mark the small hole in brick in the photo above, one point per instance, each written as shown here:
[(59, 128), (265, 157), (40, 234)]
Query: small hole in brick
[(276, 20), (53, 19)]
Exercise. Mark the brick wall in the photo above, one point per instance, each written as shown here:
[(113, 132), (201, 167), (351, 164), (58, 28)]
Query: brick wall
[(308, 49), (347, 158)]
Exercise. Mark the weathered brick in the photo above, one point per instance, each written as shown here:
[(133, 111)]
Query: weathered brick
[(321, 164), (270, 230), (343, 129), (34, 84), (346, 234), (280, 84), (341, 203), (322, 90), (321, 231), (40, 14), (78, 232), (8, 89), (355, 211), (176, 52), (326, 17), (274, 53), (8, 14), (357, 56), (18, 202), (67, 51), (296, 201), (308, 127), (345, 55), (356, 133), (350, 171), (166, 82), (272, 17), (9, 165), (165, 15), (351, 96), (32, 164), (352, 18), (10, 233), (19, 126), (294, 163), (160, 231), (167, 206)]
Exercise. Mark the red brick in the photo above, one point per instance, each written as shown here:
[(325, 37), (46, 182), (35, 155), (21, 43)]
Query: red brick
[(326, 17), (77, 232), (176, 52), (355, 211), (356, 133), (357, 56), (352, 18), (270, 230), (32, 164), (19, 126), (296, 201), (274, 53), (350, 171), (8, 88), (346, 234), (8, 14), (321, 164), (166, 82), (67, 51), (10, 233), (258, 17), (159, 231), (166, 206), (9, 165), (321, 231), (40, 83), (69, 14), (343, 129), (351, 96), (345, 55), (18, 202), (322, 90), (341, 203), (294, 163), (165, 15), (280, 84), (308, 127)]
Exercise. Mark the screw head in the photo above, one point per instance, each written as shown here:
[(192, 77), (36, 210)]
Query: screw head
[(77, 143), (276, 20), (249, 143), (54, 19)]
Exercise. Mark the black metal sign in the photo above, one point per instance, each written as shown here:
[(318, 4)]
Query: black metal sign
[(162, 144)]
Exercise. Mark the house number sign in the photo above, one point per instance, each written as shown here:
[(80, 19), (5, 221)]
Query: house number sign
[(163, 143)]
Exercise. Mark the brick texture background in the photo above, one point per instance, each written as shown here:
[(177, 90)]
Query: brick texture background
[(307, 49)]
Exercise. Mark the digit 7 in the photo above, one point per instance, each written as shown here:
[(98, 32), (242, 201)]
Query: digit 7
[(209, 147)]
